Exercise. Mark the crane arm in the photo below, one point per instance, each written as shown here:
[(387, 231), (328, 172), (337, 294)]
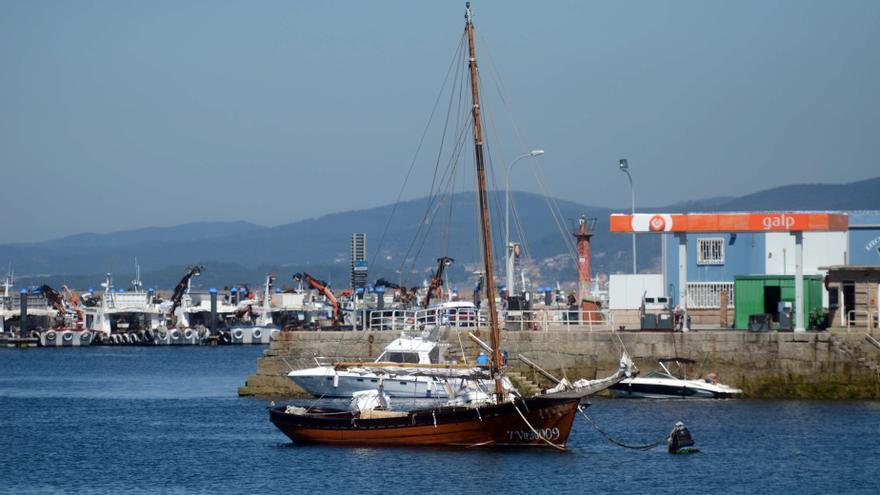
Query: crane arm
[(323, 288), (54, 298), (183, 286), (437, 280)]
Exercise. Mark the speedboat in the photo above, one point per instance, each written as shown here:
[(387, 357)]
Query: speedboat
[(325, 380), (663, 384)]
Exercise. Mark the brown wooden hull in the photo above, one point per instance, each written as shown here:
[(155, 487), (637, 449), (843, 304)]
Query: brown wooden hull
[(491, 425)]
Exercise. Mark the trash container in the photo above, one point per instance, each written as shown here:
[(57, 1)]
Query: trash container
[(759, 323)]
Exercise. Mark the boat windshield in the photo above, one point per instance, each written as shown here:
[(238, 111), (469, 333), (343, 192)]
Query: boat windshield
[(658, 374), (402, 357)]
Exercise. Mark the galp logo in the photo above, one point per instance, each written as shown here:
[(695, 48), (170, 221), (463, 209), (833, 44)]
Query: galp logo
[(657, 224), (778, 222)]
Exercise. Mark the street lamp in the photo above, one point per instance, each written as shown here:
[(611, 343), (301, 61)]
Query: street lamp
[(624, 167), (508, 265)]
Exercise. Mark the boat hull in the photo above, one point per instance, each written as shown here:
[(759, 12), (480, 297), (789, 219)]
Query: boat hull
[(486, 426), (672, 390)]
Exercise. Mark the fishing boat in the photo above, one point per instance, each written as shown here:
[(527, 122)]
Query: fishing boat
[(663, 384), (497, 418), (119, 316)]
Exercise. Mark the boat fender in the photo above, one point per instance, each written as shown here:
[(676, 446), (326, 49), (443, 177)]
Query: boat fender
[(257, 334), (134, 338), (50, 335), (175, 334), (237, 334), (148, 336), (225, 337), (123, 338), (67, 336), (84, 337), (335, 380), (163, 336), (188, 334)]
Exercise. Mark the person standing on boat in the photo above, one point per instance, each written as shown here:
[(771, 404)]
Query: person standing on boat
[(482, 359)]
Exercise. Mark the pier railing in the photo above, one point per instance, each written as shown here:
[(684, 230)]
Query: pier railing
[(853, 322), (540, 319), (558, 319)]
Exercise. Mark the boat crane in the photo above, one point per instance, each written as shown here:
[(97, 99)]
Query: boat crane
[(323, 288), (437, 280)]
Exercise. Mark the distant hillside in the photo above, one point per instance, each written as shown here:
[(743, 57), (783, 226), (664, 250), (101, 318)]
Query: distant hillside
[(861, 195), (242, 252)]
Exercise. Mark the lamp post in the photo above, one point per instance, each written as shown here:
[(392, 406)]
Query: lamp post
[(624, 167), (507, 263)]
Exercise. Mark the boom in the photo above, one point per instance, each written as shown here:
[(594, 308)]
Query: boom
[(183, 286), (54, 298), (323, 288), (437, 280)]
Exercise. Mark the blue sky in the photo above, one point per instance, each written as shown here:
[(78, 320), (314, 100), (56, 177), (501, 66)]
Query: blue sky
[(121, 114)]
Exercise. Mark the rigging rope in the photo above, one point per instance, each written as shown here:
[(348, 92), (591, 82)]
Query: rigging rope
[(418, 148)]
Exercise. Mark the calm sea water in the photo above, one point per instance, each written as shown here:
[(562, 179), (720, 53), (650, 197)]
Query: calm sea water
[(146, 420)]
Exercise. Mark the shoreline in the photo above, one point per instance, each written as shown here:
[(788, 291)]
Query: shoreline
[(830, 365)]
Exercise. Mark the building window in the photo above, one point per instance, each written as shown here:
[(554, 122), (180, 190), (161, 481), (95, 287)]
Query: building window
[(710, 251)]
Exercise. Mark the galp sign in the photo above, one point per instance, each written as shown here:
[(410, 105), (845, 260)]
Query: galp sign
[(778, 222)]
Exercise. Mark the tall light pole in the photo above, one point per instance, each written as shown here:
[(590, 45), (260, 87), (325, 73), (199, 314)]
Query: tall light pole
[(507, 262), (624, 167)]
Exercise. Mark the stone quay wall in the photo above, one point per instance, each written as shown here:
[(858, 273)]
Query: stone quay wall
[(822, 365)]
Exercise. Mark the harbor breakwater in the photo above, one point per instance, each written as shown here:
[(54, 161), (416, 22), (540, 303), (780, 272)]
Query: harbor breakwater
[(824, 365)]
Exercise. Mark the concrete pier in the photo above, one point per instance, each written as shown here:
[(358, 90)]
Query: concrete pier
[(803, 365)]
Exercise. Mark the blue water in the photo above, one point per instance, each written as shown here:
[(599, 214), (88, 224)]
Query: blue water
[(147, 420)]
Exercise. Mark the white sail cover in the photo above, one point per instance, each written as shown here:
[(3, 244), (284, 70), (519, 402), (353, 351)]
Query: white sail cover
[(583, 387)]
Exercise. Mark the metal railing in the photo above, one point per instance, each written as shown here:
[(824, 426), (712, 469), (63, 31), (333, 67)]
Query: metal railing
[(546, 319), (707, 295), (541, 319), (417, 320), (851, 315)]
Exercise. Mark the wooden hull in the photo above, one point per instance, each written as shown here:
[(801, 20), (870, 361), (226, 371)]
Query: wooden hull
[(491, 425)]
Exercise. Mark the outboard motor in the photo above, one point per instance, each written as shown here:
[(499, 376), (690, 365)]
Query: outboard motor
[(680, 440)]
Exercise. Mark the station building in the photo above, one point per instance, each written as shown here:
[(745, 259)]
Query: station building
[(760, 266)]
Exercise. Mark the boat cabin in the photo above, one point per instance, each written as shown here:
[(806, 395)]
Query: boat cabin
[(412, 351)]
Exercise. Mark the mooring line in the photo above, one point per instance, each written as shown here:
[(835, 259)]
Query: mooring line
[(611, 439)]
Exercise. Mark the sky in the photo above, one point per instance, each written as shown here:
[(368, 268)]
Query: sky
[(122, 114)]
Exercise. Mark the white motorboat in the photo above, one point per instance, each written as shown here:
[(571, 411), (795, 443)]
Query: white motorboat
[(327, 381), (663, 384)]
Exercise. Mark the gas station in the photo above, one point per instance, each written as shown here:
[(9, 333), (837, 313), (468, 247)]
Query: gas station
[(680, 225)]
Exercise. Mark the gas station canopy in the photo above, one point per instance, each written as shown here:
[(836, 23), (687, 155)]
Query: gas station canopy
[(656, 223), (681, 224)]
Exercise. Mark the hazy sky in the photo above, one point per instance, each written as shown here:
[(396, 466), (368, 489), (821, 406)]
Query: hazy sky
[(117, 114)]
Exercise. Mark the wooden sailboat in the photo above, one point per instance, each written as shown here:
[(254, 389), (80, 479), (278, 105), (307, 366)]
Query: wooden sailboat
[(500, 420)]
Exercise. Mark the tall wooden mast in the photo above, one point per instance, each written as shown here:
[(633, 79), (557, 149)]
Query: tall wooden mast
[(483, 197)]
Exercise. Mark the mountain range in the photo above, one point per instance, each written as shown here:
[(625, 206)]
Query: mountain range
[(415, 233)]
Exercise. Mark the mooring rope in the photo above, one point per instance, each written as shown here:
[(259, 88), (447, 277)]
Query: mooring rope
[(537, 434), (647, 446)]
